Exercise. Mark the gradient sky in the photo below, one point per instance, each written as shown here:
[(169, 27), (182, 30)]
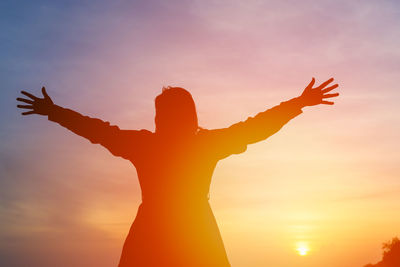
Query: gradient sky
[(329, 179)]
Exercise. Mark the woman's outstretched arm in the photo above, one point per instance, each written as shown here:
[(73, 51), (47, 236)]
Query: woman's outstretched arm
[(266, 123), (95, 130), (234, 139)]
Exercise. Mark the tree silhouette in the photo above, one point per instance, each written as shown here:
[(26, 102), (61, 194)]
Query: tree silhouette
[(391, 254)]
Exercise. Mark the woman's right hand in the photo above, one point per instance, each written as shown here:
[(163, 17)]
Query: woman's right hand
[(315, 96), (36, 105)]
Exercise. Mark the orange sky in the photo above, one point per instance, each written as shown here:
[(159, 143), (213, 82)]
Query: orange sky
[(329, 180)]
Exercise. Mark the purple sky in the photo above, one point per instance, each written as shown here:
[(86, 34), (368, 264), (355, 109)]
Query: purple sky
[(330, 178)]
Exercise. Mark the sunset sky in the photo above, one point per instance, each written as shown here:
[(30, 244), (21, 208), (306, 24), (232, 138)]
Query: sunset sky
[(327, 185)]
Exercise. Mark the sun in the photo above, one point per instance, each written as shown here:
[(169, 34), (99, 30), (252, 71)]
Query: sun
[(302, 248)]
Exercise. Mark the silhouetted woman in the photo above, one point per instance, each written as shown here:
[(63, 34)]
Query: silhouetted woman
[(174, 225)]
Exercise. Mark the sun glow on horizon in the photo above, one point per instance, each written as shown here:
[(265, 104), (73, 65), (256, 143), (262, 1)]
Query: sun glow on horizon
[(302, 248)]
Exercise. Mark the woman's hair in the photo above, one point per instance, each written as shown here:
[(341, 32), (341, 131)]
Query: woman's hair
[(175, 111)]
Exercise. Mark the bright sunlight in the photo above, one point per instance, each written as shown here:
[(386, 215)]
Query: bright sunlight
[(302, 248)]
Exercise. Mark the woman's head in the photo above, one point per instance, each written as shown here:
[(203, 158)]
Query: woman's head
[(175, 112)]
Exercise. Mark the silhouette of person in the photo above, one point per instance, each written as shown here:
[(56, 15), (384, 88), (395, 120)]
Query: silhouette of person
[(174, 225)]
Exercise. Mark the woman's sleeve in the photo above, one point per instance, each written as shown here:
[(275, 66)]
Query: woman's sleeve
[(234, 139), (123, 143)]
